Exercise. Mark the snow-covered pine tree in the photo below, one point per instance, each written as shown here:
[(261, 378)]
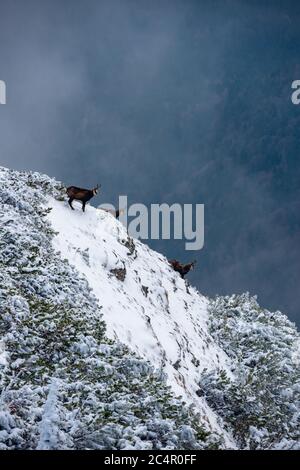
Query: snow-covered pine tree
[(261, 402)]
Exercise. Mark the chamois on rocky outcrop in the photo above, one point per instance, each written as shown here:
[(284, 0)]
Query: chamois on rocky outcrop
[(182, 269), (80, 194)]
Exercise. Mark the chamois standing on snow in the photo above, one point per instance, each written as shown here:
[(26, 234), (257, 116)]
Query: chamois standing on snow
[(182, 269), (80, 194)]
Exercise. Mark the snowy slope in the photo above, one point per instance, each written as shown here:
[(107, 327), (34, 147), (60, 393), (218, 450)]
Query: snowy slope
[(152, 310), (63, 383)]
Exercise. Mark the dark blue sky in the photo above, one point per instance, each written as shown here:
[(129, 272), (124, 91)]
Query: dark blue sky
[(169, 101)]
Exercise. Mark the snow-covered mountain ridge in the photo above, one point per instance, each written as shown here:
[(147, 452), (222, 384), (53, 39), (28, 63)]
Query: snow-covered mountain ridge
[(67, 275), (152, 310)]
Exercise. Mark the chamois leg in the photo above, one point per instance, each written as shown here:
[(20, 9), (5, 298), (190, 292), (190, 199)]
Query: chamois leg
[(71, 199), (83, 205)]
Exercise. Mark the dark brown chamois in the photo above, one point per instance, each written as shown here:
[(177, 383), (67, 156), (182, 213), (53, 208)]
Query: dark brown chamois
[(80, 194), (182, 269)]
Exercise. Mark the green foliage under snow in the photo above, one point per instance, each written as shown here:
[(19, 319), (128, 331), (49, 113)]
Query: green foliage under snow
[(261, 402)]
